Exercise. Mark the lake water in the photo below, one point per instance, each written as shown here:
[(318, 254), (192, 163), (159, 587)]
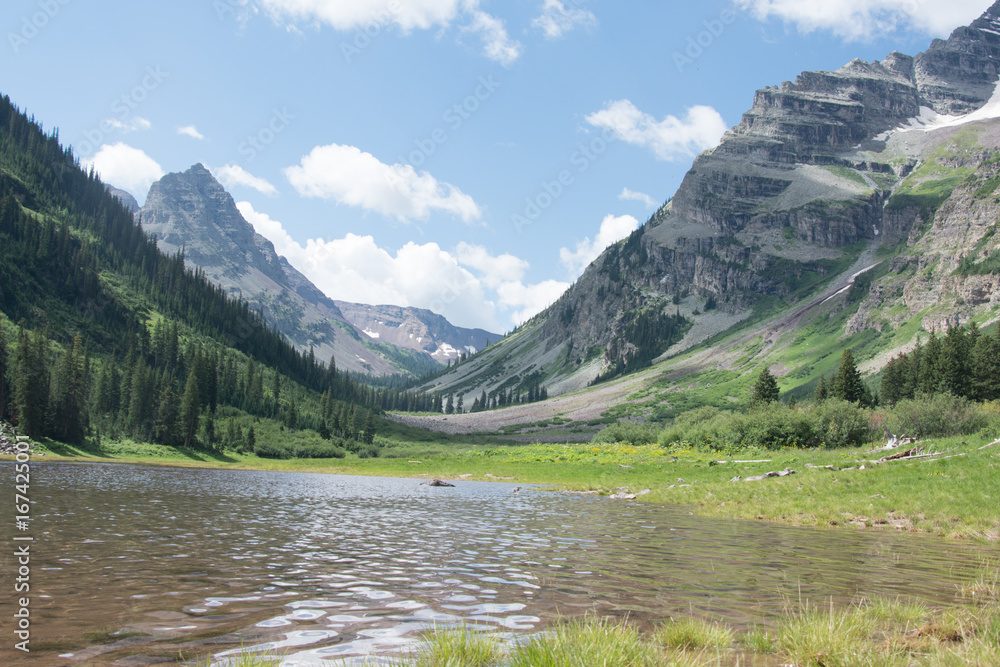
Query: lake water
[(133, 564)]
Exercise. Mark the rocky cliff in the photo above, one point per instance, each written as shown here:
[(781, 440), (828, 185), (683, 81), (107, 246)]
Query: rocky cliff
[(193, 213), (818, 171)]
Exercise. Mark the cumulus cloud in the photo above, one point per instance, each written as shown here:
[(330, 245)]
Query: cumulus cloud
[(469, 286), (613, 229), (670, 138), (556, 20), (125, 167), (864, 19), (493, 270), (526, 301), (406, 15), (497, 44), (350, 176), (231, 175), (629, 195), (190, 131), (128, 125)]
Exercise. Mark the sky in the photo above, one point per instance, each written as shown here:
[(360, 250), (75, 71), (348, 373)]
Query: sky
[(467, 156)]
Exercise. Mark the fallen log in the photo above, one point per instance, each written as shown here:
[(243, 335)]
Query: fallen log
[(436, 482), (756, 478), (909, 453)]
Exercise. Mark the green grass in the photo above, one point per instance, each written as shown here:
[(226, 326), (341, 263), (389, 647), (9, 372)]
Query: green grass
[(875, 633)]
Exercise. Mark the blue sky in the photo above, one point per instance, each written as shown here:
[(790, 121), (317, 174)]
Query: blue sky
[(468, 156)]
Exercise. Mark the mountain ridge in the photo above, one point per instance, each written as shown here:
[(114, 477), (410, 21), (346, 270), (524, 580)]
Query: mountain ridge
[(817, 171)]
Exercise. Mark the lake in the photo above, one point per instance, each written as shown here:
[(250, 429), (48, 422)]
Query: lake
[(132, 565)]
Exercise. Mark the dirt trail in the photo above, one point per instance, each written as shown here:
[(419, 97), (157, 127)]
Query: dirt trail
[(588, 404)]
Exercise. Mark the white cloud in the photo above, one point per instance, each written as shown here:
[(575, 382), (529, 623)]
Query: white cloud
[(556, 20), (497, 44), (493, 271), (529, 300), (864, 19), (355, 268), (629, 195), (669, 138), (349, 176), (231, 175), (342, 15), (190, 131), (613, 229), (406, 15), (125, 167), (128, 125)]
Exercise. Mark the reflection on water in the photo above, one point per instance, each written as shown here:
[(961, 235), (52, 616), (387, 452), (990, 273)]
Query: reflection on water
[(136, 564)]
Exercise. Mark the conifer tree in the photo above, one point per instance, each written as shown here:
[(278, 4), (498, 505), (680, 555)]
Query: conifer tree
[(821, 391), (449, 407), (190, 409), (846, 384), (31, 394), (369, 433), (765, 389), (4, 384), (167, 430)]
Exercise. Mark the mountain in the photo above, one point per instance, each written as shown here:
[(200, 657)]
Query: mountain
[(127, 200), (102, 335), (416, 329), (887, 166), (192, 211)]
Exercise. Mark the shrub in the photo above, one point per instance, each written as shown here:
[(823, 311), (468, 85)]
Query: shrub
[(270, 450), (323, 451), (628, 433), (841, 424), (936, 416)]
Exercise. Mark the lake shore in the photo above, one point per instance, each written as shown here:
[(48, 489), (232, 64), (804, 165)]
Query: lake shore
[(948, 489)]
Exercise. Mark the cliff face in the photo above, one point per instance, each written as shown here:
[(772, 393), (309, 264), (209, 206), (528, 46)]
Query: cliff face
[(818, 173), (191, 211)]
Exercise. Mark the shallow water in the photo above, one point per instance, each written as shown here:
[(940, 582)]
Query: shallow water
[(135, 564)]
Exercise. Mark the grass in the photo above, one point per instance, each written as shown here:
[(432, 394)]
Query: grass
[(874, 633)]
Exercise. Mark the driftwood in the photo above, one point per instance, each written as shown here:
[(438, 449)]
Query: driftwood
[(995, 442), (750, 461), (436, 482), (783, 473), (902, 455)]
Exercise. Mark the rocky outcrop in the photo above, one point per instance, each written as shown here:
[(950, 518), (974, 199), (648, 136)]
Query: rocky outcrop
[(127, 200), (191, 212), (416, 329), (809, 175)]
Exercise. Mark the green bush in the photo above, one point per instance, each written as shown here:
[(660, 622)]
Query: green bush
[(772, 426), (936, 416), (324, 451), (838, 423), (270, 450), (628, 432)]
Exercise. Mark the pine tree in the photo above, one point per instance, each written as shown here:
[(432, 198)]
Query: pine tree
[(208, 428), (190, 409), (251, 439), (985, 369), (292, 418), (31, 394), (846, 384), (69, 397), (449, 408), (369, 433), (821, 391), (954, 363), (930, 378), (893, 381), (460, 407), (4, 385), (167, 429), (765, 389)]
